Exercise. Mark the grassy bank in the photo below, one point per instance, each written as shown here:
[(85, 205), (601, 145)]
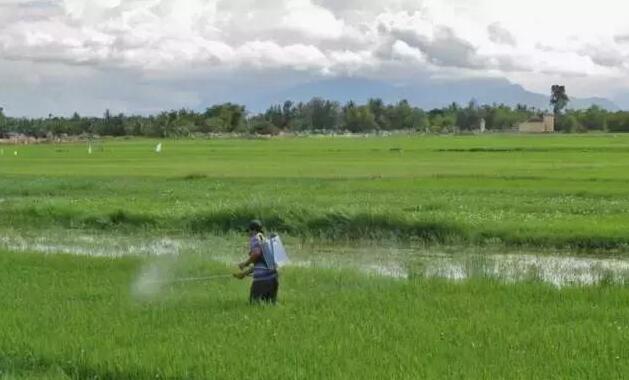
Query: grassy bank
[(77, 317), (537, 191)]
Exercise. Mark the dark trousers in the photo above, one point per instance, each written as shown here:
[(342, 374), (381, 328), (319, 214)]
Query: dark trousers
[(264, 291)]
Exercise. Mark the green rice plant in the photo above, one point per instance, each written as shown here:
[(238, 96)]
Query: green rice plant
[(559, 191), (77, 317)]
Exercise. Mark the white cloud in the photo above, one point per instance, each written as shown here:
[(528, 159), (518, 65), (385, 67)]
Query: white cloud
[(622, 39), (402, 50), (500, 35), (311, 20), (531, 43), (268, 53)]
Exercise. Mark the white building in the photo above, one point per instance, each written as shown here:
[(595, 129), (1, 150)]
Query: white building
[(541, 124)]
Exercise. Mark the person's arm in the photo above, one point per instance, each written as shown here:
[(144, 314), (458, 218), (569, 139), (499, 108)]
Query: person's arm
[(254, 256)]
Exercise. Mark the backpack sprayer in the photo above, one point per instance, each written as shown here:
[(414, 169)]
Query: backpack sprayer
[(273, 251)]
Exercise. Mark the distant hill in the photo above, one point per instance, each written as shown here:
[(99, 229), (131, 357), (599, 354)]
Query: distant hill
[(588, 102), (428, 95), (622, 100)]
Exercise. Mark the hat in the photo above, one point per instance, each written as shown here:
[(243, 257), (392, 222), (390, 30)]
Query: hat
[(255, 225)]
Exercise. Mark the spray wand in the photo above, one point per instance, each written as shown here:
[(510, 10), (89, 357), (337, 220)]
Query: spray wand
[(192, 279)]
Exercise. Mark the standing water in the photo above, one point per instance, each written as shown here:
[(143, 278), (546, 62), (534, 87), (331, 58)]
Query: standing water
[(557, 268)]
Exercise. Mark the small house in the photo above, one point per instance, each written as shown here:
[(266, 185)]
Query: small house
[(540, 124)]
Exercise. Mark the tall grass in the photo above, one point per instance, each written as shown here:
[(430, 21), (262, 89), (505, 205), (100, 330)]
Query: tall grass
[(76, 317), (537, 191)]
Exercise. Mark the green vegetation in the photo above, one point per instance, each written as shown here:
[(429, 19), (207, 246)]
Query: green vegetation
[(536, 191), (558, 98), (84, 317), (316, 115), (75, 317)]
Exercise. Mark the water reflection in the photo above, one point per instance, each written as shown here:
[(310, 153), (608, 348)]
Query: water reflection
[(557, 268)]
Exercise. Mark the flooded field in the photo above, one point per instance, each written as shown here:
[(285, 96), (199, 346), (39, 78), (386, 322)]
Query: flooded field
[(423, 256), (559, 268)]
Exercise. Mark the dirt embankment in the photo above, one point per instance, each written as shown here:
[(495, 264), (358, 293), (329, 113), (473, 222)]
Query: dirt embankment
[(29, 140)]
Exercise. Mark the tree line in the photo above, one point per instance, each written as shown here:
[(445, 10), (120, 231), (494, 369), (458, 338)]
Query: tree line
[(316, 115)]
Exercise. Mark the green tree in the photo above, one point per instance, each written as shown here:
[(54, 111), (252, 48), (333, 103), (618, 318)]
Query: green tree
[(112, 125), (402, 116), (229, 116), (568, 123), (593, 119), (558, 98), (281, 116), (502, 117), (378, 110), (442, 119), (325, 114), (316, 115), (468, 118), (261, 126), (3, 124), (618, 122), (289, 114), (358, 119)]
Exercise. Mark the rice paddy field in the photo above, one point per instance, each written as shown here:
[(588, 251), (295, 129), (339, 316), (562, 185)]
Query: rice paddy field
[(499, 256)]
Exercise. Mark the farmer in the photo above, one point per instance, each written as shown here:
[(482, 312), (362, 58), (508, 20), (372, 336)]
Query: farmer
[(265, 280)]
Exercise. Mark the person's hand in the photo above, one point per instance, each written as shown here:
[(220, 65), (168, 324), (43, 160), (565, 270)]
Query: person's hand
[(239, 276)]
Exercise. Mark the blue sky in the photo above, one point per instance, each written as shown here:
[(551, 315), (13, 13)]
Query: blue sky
[(58, 56)]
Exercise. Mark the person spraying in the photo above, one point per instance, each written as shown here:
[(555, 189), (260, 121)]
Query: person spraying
[(261, 265)]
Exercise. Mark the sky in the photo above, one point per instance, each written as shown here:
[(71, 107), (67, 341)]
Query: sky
[(144, 56)]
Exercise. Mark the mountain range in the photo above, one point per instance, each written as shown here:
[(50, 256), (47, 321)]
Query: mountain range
[(427, 95)]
